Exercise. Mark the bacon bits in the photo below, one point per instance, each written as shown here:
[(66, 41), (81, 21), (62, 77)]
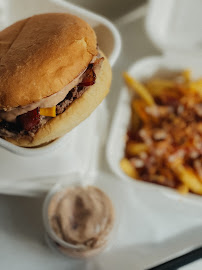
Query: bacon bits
[(28, 121), (89, 78)]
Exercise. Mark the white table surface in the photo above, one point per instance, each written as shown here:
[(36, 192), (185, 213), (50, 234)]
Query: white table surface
[(22, 244)]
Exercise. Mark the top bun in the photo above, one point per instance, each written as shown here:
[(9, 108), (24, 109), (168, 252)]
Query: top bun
[(40, 55)]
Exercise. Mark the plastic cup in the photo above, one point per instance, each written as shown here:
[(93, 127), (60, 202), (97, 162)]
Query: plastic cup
[(79, 251)]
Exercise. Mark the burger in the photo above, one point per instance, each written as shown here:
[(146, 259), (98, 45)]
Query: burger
[(52, 77)]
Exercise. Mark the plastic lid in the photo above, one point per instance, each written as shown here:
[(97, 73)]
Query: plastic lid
[(175, 25)]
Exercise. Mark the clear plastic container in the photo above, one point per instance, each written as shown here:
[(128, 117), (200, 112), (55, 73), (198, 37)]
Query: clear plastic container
[(81, 251)]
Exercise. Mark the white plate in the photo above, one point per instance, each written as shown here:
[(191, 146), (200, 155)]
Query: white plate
[(108, 39), (115, 149)]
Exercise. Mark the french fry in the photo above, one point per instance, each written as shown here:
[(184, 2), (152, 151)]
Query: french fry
[(127, 167), (186, 74), (140, 89), (133, 148), (171, 94), (135, 122), (135, 119), (196, 87), (157, 178), (139, 105), (158, 87), (183, 189), (188, 178)]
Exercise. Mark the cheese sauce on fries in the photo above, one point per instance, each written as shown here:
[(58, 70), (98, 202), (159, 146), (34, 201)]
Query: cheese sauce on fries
[(164, 139)]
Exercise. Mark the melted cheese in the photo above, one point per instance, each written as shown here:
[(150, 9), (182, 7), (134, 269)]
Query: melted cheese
[(48, 111)]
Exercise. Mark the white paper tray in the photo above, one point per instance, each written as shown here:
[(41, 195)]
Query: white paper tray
[(141, 70), (33, 175), (108, 39), (165, 25)]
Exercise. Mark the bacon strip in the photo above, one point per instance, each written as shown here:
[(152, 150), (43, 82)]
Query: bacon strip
[(28, 121)]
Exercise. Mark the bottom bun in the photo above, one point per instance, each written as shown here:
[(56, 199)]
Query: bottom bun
[(78, 111)]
